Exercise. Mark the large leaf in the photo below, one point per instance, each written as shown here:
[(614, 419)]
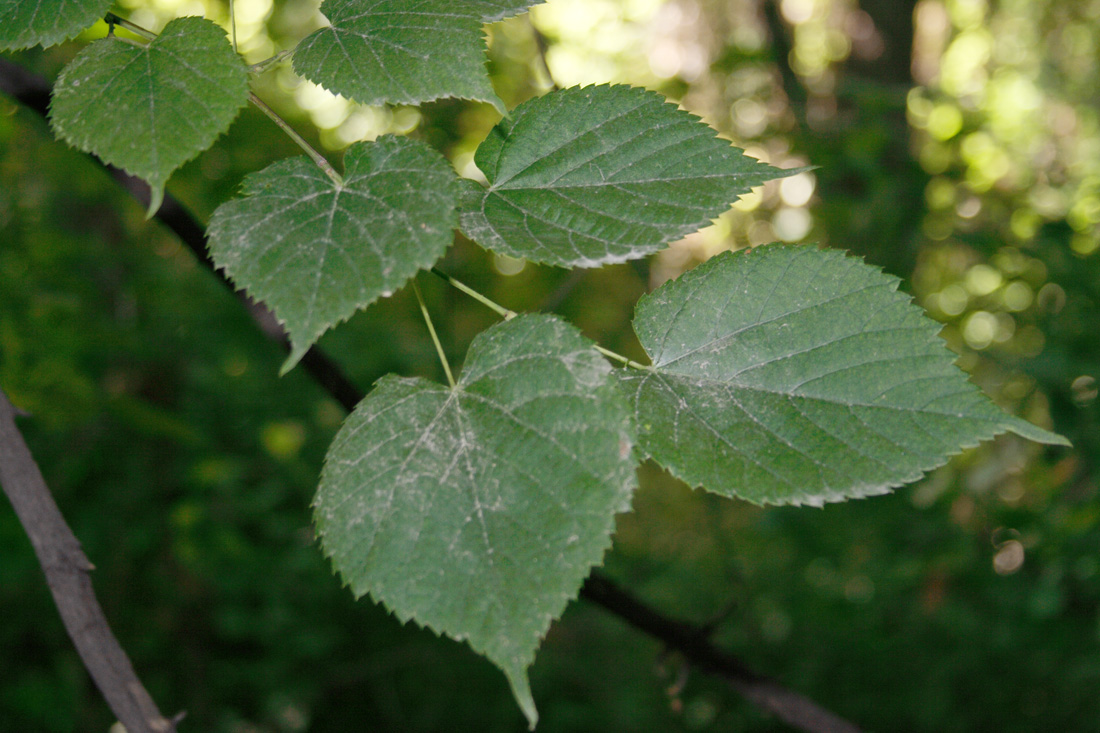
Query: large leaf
[(793, 375), (478, 511), (404, 51), (590, 176), (316, 251), (26, 23), (150, 109)]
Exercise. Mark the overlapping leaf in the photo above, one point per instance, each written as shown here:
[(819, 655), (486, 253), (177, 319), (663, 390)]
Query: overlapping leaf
[(316, 251), (792, 375), (404, 51), (589, 176), (149, 109), (26, 23), (478, 511)]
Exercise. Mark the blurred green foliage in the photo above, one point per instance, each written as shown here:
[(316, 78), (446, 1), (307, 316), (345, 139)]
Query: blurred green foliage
[(958, 146)]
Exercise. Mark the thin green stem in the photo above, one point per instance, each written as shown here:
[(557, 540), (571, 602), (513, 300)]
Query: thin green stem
[(435, 337), (620, 358), (497, 307), (301, 141), (510, 314), (113, 20), (233, 26), (262, 66)]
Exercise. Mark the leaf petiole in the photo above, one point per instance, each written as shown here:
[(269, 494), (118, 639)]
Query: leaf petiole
[(435, 337), (492, 305), (112, 20), (262, 66), (317, 158), (508, 315)]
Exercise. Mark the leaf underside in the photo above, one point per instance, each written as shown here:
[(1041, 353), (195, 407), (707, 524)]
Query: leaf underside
[(404, 51), (792, 375), (589, 176), (317, 252), (479, 511), (26, 23), (173, 98)]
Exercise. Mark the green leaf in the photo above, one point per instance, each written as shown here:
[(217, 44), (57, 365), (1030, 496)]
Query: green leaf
[(150, 109), (26, 23), (479, 511), (404, 51), (792, 375), (589, 176), (316, 252)]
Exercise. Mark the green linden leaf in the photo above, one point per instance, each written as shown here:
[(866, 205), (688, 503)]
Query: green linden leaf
[(404, 51), (792, 375), (590, 176), (26, 23), (150, 109), (317, 252), (478, 511)]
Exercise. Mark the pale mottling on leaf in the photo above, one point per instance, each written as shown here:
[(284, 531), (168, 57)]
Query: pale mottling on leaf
[(800, 376), (317, 252), (479, 511)]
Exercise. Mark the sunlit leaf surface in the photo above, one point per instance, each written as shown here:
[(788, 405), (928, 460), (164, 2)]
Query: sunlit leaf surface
[(792, 375), (149, 109), (404, 51), (26, 23), (316, 251), (479, 511), (590, 176)]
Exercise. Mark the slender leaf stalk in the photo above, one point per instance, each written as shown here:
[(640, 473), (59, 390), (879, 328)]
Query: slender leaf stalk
[(620, 358), (262, 66), (112, 20), (492, 305), (507, 315), (317, 158), (233, 25), (435, 337)]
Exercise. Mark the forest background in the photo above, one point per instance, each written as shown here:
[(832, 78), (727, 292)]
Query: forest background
[(958, 146)]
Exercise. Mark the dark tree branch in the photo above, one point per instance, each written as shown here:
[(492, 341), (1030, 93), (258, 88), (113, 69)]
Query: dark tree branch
[(693, 643), (67, 574), (689, 640)]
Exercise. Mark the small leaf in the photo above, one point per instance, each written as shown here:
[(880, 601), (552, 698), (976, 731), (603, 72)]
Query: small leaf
[(26, 23), (584, 177), (317, 252), (479, 511), (150, 109), (404, 51), (791, 375)]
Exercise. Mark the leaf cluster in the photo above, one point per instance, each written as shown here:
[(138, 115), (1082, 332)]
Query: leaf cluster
[(784, 375)]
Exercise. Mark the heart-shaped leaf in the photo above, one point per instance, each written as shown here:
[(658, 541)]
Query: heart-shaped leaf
[(792, 375), (404, 51), (26, 23), (150, 109), (590, 176), (478, 511), (316, 252)]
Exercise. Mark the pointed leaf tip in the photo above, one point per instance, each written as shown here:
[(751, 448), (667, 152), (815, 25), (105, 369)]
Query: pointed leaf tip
[(317, 252), (584, 177), (173, 97), (792, 375), (478, 511)]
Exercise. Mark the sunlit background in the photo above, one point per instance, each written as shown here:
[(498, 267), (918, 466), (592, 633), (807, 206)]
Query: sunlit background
[(957, 146)]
